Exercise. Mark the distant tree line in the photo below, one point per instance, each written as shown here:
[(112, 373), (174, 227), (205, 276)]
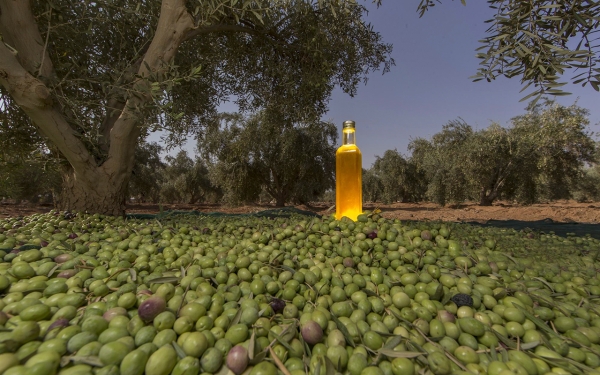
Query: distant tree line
[(545, 154)]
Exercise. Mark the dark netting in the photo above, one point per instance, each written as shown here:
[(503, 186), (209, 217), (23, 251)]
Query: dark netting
[(272, 214), (547, 226)]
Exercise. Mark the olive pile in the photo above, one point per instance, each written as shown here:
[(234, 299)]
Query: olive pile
[(88, 294)]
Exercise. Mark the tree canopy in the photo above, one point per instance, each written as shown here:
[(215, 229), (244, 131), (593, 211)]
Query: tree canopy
[(290, 161), (540, 41), (94, 77), (542, 154)]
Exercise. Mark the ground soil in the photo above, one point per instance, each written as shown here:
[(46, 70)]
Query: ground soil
[(559, 211)]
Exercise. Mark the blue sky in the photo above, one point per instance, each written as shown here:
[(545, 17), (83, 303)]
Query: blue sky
[(430, 85)]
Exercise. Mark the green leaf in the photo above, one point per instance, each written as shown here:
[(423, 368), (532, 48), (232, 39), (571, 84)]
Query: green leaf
[(164, 280), (179, 350), (393, 354), (344, 330), (281, 341)]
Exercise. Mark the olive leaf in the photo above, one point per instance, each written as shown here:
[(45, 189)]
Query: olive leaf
[(282, 341), (236, 318), (370, 293), (164, 280), (53, 270), (393, 342), (393, 354), (330, 368), (252, 345), (493, 353), (86, 360), (344, 330), (179, 350), (537, 321), (505, 340), (530, 345), (439, 292)]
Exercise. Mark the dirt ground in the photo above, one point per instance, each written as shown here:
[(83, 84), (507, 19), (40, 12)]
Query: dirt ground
[(559, 211)]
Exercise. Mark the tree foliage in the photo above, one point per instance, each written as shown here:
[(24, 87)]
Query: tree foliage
[(291, 161), (541, 156), (92, 78), (393, 178), (540, 41), (185, 180)]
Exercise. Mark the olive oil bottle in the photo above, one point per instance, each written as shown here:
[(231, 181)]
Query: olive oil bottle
[(348, 175)]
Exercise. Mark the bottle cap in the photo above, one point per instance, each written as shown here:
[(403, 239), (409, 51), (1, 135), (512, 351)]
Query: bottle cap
[(349, 125)]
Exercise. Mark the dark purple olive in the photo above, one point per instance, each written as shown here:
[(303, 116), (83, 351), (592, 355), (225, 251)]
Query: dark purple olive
[(372, 235), (58, 323), (277, 305), (206, 231), (348, 262), (67, 274), (237, 359), (73, 236), (445, 316), (312, 332), (110, 314), (44, 243), (151, 307), (63, 258)]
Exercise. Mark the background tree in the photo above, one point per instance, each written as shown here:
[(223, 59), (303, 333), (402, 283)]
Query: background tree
[(372, 187), (185, 180), (541, 156), (291, 161), (540, 41), (399, 178), (94, 77), (147, 177), (563, 145), (439, 160)]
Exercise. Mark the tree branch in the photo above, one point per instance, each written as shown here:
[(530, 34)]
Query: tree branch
[(173, 24), (34, 98), (219, 28), (19, 30)]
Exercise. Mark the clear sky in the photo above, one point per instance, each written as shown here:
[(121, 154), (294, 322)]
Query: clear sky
[(430, 85)]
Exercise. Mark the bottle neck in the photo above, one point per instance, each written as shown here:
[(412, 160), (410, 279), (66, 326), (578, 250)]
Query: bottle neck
[(348, 137)]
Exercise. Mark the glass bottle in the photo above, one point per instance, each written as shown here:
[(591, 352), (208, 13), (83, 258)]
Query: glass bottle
[(348, 175)]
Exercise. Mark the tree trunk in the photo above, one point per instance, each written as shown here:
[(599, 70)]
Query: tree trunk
[(105, 195), (280, 199), (486, 199)]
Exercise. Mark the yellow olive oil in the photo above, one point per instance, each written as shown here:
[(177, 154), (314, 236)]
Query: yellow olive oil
[(348, 175)]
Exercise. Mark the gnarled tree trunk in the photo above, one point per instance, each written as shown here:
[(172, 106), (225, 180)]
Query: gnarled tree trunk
[(106, 194), (24, 62)]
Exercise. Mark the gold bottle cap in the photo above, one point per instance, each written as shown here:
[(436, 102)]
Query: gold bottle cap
[(349, 125)]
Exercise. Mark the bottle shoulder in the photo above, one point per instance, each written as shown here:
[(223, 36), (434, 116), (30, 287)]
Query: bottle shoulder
[(348, 148)]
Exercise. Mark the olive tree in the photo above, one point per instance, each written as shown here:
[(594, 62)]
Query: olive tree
[(185, 180), (540, 41), (399, 179), (290, 161), (540, 156), (147, 174), (93, 78)]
